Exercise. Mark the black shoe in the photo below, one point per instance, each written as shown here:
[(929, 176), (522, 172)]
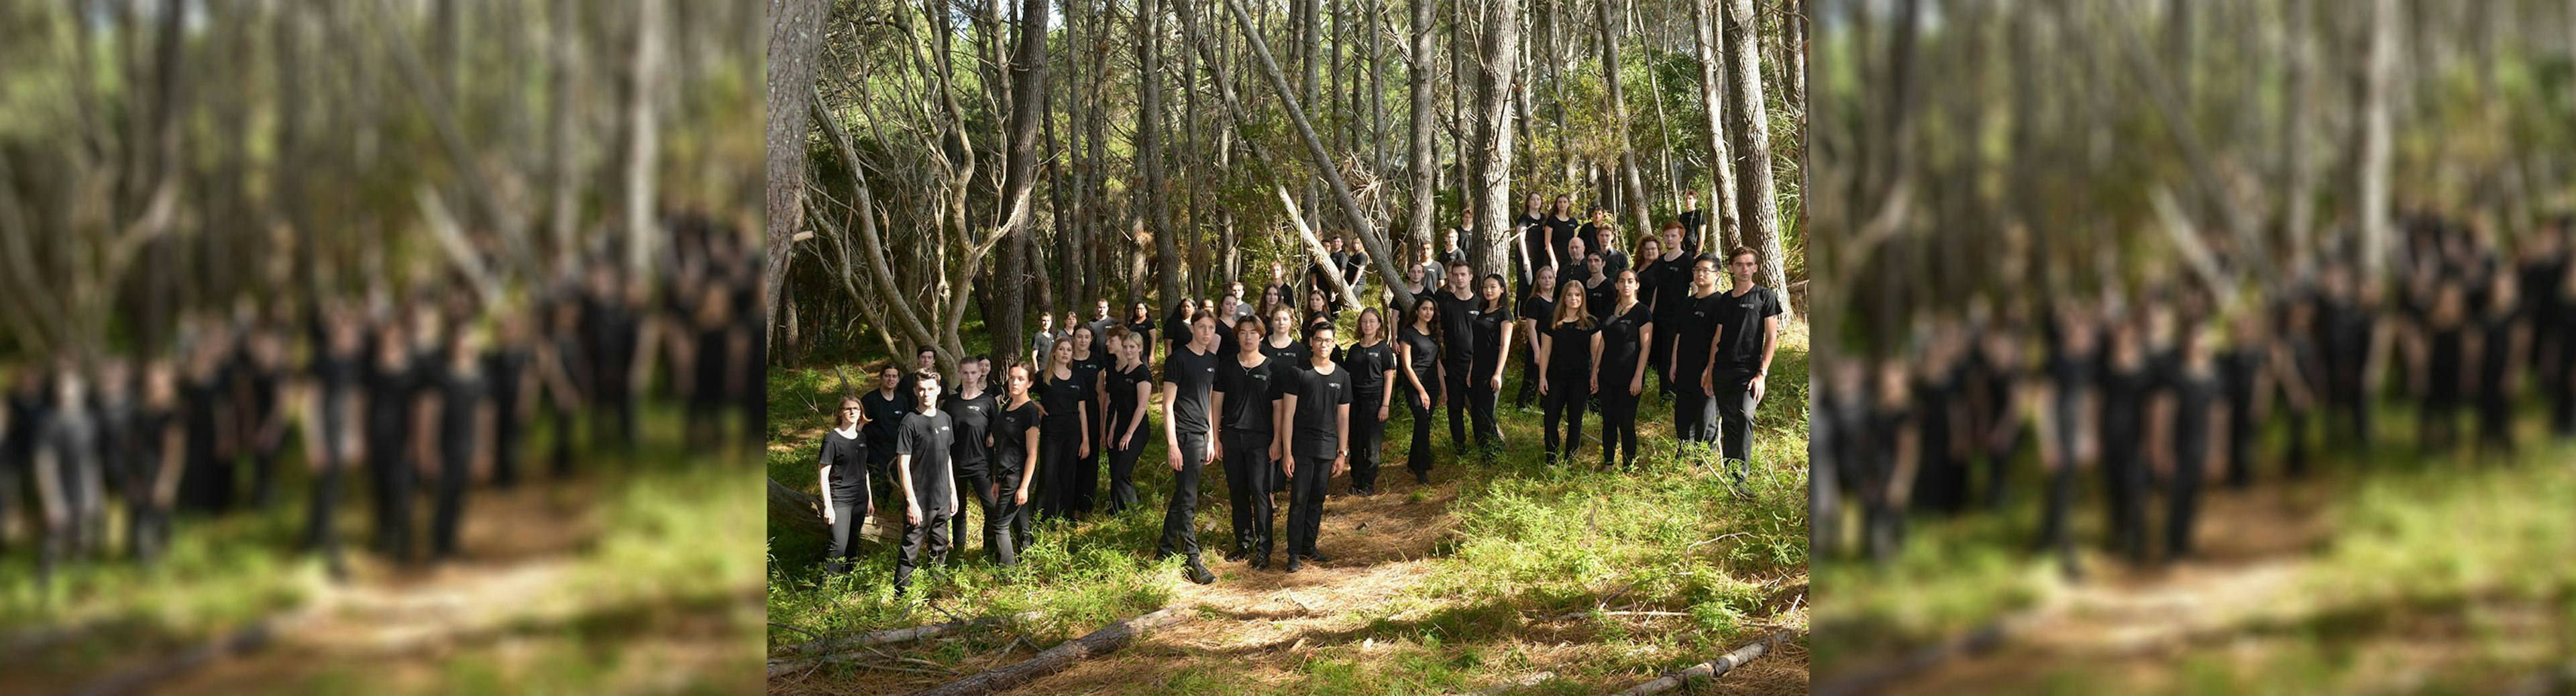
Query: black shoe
[(1261, 562), (1318, 557), (1198, 573), (1293, 564), (1422, 477), (1234, 556)]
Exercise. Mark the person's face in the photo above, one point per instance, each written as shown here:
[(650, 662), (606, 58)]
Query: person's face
[(1571, 297), (1672, 238), (1652, 248), (1203, 333), (1547, 276), (888, 378), (1315, 300), (929, 392), (972, 372), (1082, 338), (1046, 322), (1564, 205), (1533, 202), (1100, 310), (1370, 325), (925, 359), (1458, 277), (1574, 247), (1627, 284), (1019, 381), (1493, 289), (1063, 353), (1690, 199), (1424, 312), (1740, 267), (1234, 290), (1594, 262), (1281, 321), (1248, 335), (1321, 344), (849, 413), (1704, 272)]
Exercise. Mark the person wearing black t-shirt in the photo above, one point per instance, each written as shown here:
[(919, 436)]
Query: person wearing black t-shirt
[(971, 409), (1080, 482), (1668, 299), (1686, 368), (1130, 385), (1140, 321), (1691, 222), (1596, 286), (1595, 220), (1493, 338), (2128, 383), (1015, 445), (1100, 324), (1459, 309), (1246, 396), (1282, 344), (1175, 331), (1189, 376), (1417, 361), (1742, 357), (1457, 249), (842, 473), (1529, 237), (2503, 337), (1620, 374), (1317, 399), (1065, 399), (1537, 312), (2440, 367), (393, 387), (922, 470), (2069, 409), (1371, 363), (886, 408), (507, 364), (1321, 308), (1566, 351), (1561, 227), (464, 442), (2196, 419), (207, 482), (331, 431)]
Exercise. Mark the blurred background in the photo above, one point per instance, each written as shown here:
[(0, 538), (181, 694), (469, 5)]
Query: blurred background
[(387, 345), (2171, 346)]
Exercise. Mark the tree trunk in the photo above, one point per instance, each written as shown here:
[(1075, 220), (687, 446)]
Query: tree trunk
[(795, 37), (2298, 174), (644, 139), (2379, 68), (1055, 659), (1723, 229), (1019, 173), (1635, 184), (1149, 150), (1753, 140), (1499, 55), (1418, 75)]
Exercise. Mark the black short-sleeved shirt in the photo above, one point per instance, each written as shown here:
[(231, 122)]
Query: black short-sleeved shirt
[(459, 392), (1488, 331), (1317, 428), (1426, 355), (1122, 396), (1537, 307), (885, 414), (1457, 324), (1741, 345), (1368, 366), (1226, 345), (1672, 287), (1011, 437), (389, 394), (1192, 376), (1621, 346), (848, 457), (1063, 399), (1248, 392), (1613, 260), (1292, 354), (927, 436), (1597, 300), (1534, 232), (1088, 373), (974, 419), (1692, 221), (1569, 352), (1693, 331), (1559, 230)]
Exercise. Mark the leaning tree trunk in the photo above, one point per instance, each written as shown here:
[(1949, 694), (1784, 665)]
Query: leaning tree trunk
[(1722, 220), (1500, 55), (795, 34), (1636, 185), (1753, 140)]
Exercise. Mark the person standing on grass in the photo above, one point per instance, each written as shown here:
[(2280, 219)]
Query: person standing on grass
[(1062, 440), (1140, 321), (2503, 337), (1619, 374), (1741, 358), (1667, 285), (464, 441), (1458, 310), (1417, 358), (929, 492), (1189, 375), (842, 472), (1246, 395), (1537, 312), (1566, 353), (1317, 397), (1130, 385), (1371, 363), (971, 409), (2194, 417), (1081, 481), (1695, 342), (886, 407), (1015, 446), (1175, 331), (1493, 339), (1044, 342)]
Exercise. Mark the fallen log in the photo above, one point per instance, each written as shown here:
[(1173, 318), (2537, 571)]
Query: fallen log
[(1107, 639), (1712, 668), (818, 651), (1519, 682)]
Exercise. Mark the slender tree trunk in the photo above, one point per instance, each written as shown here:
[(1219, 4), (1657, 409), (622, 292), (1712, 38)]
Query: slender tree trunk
[(1418, 75), (2379, 68), (644, 139), (1724, 228), (1636, 184), (1028, 68), (2299, 174), (1753, 140), (1149, 148), (1500, 55), (795, 37)]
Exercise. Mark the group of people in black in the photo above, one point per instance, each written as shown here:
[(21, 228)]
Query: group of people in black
[(2172, 390), (1275, 394), (422, 395)]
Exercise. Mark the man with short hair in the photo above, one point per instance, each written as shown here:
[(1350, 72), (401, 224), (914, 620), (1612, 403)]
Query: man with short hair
[(1459, 307), (1750, 319), (929, 492)]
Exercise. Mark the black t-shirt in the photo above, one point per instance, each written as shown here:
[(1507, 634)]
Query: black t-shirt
[(1534, 230), (1191, 376), (1620, 345), (1426, 355), (1590, 233), (459, 392), (1089, 373), (1670, 289), (1249, 393), (885, 413), (1692, 221), (1063, 399), (927, 436), (1122, 398), (1457, 324), (1100, 337), (973, 418), (1368, 366), (1176, 333), (1537, 307), (1559, 231), (1569, 352), (1596, 300), (1488, 330), (1741, 346), (1695, 329), (389, 394), (848, 457), (1011, 437), (1317, 431), (1292, 354)]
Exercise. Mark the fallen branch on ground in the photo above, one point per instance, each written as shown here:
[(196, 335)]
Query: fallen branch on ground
[(1712, 668), (1519, 682), (1108, 638), (821, 650)]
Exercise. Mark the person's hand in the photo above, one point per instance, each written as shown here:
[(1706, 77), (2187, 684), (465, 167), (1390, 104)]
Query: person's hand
[(1496, 383), (1425, 399), (1542, 385), (1127, 443), (1382, 413), (828, 517), (1707, 383), (1211, 449), (1757, 387), (1277, 453), (1021, 497), (1175, 456), (1596, 385), (912, 513), (1637, 386), (1086, 449), (1289, 467), (1341, 464)]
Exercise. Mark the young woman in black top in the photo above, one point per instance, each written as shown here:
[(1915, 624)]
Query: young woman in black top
[(207, 483), (2196, 418), (159, 453), (1619, 375), (1417, 359), (842, 474), (1130, 385), (392, 390), (1081, 481), (1062, 441), (1140, 321), (1537, 311), (2128, 381), (1666, 290), (1694, 344), (1317, 399), (1320, 309), (1493, 341), (464, 441), (2440, 369), (1015, 442), (1282, 344), (1371, 363), (1566, 352), (507, 364), (1460, 309), (1189, 376), (331, 430), (971, 409), (2503, 336), (1246, 396), (1561, 227)]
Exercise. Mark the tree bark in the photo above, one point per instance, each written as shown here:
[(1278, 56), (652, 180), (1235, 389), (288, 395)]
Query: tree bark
[(1019, 178), (1723, 229), (1753, 140), (1418, 75), (644, 137), (2379, 68), (1149, 149), (2298, 176), (795, 38), (1500, 56), (1636, 185)]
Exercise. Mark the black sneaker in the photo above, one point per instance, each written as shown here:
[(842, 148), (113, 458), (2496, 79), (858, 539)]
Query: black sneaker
[(1319, 557), (1261, 562), (1198, 573), (1234, 556), (1293, 565), (1422, 477)]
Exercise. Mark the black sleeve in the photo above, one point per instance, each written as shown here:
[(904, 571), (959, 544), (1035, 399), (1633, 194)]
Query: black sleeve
[(903, 440)]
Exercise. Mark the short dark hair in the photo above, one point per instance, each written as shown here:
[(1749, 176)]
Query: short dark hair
[(930, 377), (924, 349), (1741, 251), (1312, 327), (1460, 263)]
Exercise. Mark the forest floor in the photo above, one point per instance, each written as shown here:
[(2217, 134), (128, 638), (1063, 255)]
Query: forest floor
[(1502, 569), (630, 577), (2390, 572)]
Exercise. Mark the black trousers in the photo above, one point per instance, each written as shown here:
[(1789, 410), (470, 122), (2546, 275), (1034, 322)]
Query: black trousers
[(1122, 469), (1733, 402), (1053, 492), (2438, 423), (1368, 436), (1418, 399), (562, 455), (2495, 421), (2125, 479), (979, 488), (1180, 517), (1247, 487), (1480, 407), (923, 544), (1084, 478), (1567, 397), (455, 470), (1306, 503), (2183, 501), (2242, 433), (507, 432), (394, 478), (1529, 379), (1455, 385), (1010, 515), (1618, 425), (321, 533), (847, 516)]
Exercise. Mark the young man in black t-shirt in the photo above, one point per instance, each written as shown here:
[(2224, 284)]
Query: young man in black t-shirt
[(1188, 376), (972, 408), (1750, 317), (1317, 397), (885, 408), (922, 471), (1459, 308)]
